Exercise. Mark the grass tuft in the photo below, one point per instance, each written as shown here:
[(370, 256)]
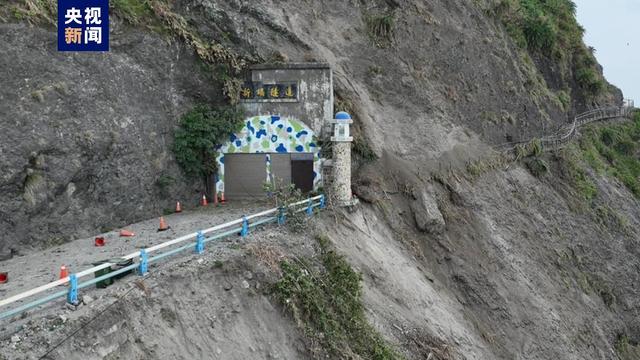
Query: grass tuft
[(570, 158), (626, 349), (327, 303), (381, 29), (537, 166), (134, 12)]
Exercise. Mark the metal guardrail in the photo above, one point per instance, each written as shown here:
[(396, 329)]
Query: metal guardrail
[(563, 135), (240, 226)]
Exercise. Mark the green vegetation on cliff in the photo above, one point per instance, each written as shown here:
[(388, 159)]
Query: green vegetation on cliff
[(575, 169), (327, 302), (626, 349), (200, 131), (613, 150), (549, 28)]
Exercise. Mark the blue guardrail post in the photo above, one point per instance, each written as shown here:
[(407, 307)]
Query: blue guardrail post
[(322, 202), (200, 243), (310, 208), (72, 296), (245, 227), (143, 269), (281, 216)]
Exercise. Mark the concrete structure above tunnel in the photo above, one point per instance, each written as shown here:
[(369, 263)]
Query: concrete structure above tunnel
[(304, 92)]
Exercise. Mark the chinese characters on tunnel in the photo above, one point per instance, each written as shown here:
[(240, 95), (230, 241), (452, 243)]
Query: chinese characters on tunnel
[(83, 25), (258, 91)]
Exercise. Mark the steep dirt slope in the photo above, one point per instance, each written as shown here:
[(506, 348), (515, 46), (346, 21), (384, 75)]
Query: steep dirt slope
[(521, 273), (213, 306)]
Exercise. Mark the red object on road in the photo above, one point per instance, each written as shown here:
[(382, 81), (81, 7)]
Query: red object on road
[(63, 272), (163, 225), (99, 241), (4, 277), (126, 233)]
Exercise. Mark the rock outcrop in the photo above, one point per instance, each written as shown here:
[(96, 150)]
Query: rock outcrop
[(426, 213)]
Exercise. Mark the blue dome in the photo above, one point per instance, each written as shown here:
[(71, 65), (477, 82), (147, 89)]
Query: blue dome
[(343, 116)]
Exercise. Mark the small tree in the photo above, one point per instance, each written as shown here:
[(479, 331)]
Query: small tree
[(201, 131), (282, 195)]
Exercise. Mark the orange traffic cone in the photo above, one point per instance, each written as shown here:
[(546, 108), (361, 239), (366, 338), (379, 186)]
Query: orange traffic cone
[(163, 225), (204, 201), (222, 201), (63, 272), (178, 207), (126, 233)]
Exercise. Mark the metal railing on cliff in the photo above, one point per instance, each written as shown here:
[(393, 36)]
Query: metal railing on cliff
[(564, 135)]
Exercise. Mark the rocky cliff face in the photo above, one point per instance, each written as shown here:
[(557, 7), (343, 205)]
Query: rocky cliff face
[(86, 137), (513, 267)]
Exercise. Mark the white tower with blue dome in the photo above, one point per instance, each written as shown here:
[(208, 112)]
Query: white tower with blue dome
[(341, 187)]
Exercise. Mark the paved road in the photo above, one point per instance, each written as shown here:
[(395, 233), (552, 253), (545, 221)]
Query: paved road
[(36, 268)]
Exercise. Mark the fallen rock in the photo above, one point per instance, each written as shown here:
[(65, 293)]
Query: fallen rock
[(245, 284), (86, 299), (15, 339), (426, 213)]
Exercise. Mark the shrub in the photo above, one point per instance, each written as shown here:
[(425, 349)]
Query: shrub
[(625, 147), (133, 11), (281, 194), (608, 136), (202, 130), (535, 147), (362, 149), (538, 167), (164, 182), (539, 32), (328, 304), (589, 80), (381, 29), (626, 349), (565, 99)]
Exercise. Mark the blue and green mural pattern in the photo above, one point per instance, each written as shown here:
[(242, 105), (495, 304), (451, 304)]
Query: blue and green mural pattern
[(271, 134)]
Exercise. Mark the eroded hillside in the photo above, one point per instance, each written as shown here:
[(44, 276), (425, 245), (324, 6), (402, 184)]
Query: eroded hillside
[(459, 249)]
